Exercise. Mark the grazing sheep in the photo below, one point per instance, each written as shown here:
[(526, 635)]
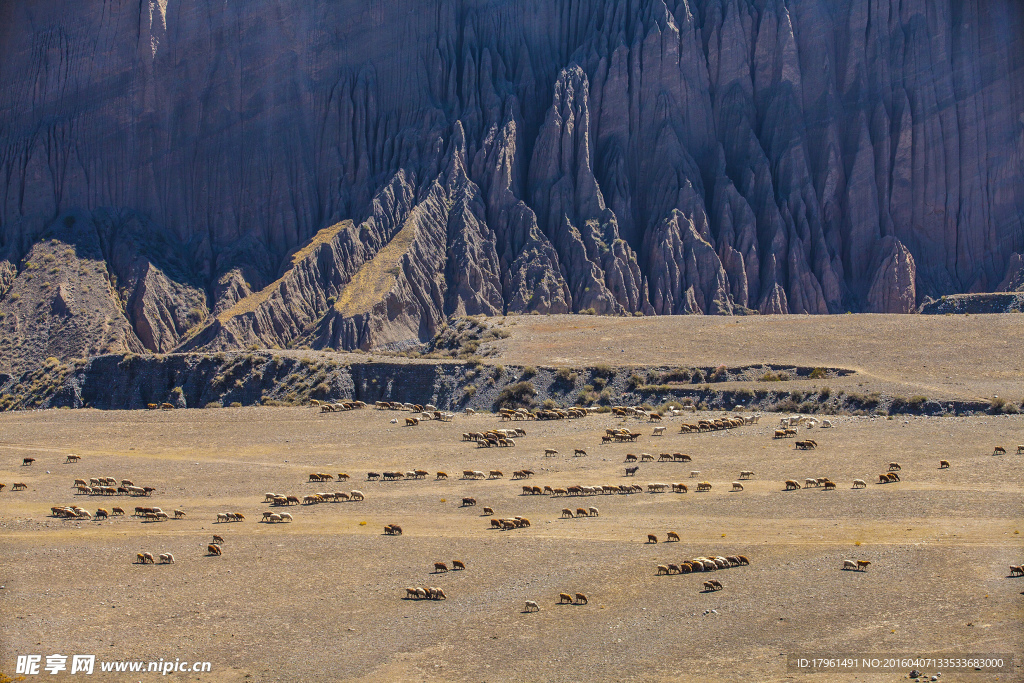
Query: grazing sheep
[(411, 421), (646, 457), (73, 458), (274, 518), (737, 486), (704, 486), (566, 512), (658, 431), (582, 512), (651, 538), (101, 513), (166, 558), (356, 495), (18, 486), (630, 471), (140, 558), (883, 479), (495, 474), (679, 488), (222, 517), (213, 549), (859, 484), (496, 523), (849, 564), (694, 474), (532, 606), (830, 485), (581, 599), (218, 540), (893, 466), (393, 530), (285, 517), (458, 565), (630, 457), (791, 485), (672, 536), (468, 502), (716, 584), (578, 452), (743, 559), (441, 475), (943, 464), (662, 569), (422, 594), (862, 565), (1016, 570), (593, 512), (1020, 450), (372, 476), (179, 514), (550, 452), (564, 598), (708, 586), (27, 461), (117, 511), (440, 567), (746, 474), (999, 450), (809, 482), (436, 594)]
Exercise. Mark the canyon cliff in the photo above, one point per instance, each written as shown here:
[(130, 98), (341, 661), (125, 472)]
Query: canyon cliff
[(198, 175)]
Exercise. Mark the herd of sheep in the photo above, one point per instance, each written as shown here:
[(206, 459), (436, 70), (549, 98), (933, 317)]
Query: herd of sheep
[(109, 486)]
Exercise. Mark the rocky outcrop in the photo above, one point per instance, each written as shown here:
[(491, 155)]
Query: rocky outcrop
[(630, 157)]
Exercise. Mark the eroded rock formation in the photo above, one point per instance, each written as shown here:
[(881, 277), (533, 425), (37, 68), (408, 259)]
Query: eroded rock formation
[(350, 173)]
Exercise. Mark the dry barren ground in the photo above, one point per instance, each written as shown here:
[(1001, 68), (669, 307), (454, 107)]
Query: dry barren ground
[(321, 599), (940, 356)]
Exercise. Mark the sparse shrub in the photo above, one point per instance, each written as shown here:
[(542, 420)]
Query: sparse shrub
[(320, 390), (824, 393), (819, 373), (176, 391), (521, 393), (605, 396), (469, 390), (565, 376), (212, 404), (996, 405), (529, 371), (634, 382), (499, 370), (697, 377), (602, 370), (599, 382), (549, 403), (720, 374), (235, 404)]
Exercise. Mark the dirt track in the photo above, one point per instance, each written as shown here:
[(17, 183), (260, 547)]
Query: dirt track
[(322, 598)]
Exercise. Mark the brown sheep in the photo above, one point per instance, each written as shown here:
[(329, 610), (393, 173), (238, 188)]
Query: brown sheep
[(1016, 570), (495, 523), (999, 451), (582, 512), (19, 486), (566, 512), (564, 598), (651, 538), (578, 452), (672, 536), (943, 464), (662, 569), (863, 564), (581, 599), (27, 461), (219, 540), (893, 466), (458, 565), (213, 549), (830, 485), (468, 502), (440, 568)]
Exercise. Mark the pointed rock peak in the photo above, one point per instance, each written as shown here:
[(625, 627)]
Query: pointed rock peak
[(893, 283)]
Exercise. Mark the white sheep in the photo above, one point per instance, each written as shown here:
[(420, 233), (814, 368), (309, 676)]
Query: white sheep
[(593, 512), (166, 558), (285, 517), (694, 474), (737, 486), (532, 606), (850, 564), (356, 495), (859, 484)]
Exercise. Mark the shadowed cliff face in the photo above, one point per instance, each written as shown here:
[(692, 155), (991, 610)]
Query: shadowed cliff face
[(653, 156)]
